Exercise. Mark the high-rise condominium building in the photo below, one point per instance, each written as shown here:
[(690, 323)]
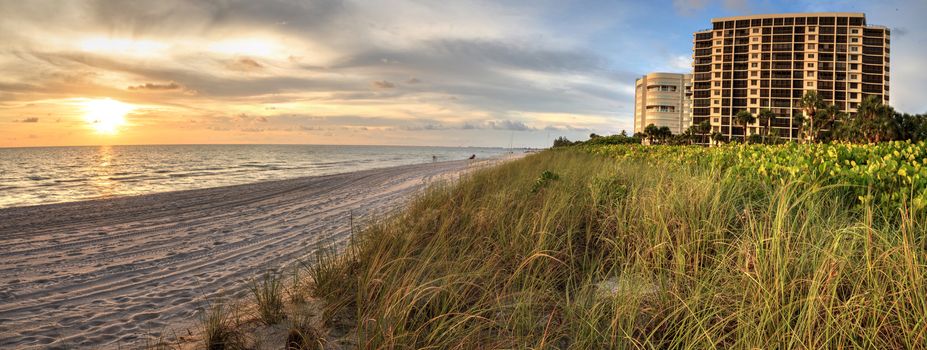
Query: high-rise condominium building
[(770, 61), (662, 99)]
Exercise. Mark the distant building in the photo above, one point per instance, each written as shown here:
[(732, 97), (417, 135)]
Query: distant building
[(662, 99), (771, 61)]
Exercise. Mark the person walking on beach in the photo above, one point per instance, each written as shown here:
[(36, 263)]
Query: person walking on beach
[(472, 156), (434, 158)]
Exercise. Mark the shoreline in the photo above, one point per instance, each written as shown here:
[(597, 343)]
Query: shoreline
[(113, 271)]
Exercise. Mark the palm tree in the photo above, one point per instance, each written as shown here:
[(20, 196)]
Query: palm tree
[(744, 117), (799, 120), (811, 103), (717, 137), (703, 129), (651, 131), (664, 133), (875, 121), (766, 116)]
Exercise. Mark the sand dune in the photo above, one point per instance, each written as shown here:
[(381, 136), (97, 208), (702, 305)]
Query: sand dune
[(106, 273)]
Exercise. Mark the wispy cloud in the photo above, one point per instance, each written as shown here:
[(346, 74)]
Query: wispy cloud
[(458, 72)]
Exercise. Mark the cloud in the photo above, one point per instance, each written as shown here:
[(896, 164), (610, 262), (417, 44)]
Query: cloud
[(245, 64), (28, 120), (156, 86), (488, 65), (686, 7), (383, 84), (566, 128), (682, 63), (508, 125)]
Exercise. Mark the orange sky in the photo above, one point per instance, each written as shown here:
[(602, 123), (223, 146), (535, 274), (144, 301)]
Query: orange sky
[(290, 72), (451, 73)]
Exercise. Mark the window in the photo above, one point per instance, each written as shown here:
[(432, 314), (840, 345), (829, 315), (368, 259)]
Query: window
[(853, 95), (754, 64), (717, 83), (753, 92), (810, 55), (753, 73), (811, 46), (753, 82), (752, 101), (854, 57), (810, 83), (810, 64), (756, 39), (853, 76), (756, 46), (716, 110), (854, 40), (664, 109), (717, 92), (756, 55), (717, 66), (812, 37), (669, 88), (812, 29), (855, 31), (756, 30), (717, 50), (810, 74), (717, 74)]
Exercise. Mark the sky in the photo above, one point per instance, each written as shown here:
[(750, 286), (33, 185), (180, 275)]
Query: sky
[(415, 72)]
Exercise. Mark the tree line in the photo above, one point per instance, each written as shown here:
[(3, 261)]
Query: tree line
[(873, 122)]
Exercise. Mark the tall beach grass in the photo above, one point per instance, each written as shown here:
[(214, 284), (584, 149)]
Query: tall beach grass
[(566, 249)]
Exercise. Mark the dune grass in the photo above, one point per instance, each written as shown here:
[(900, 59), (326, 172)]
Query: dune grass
[(567, 249), (267, 293), (220, 328)]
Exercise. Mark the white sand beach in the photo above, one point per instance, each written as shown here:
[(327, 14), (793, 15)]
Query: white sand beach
[(106, 273)]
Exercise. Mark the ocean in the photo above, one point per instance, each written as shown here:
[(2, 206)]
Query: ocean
[(30, 176)]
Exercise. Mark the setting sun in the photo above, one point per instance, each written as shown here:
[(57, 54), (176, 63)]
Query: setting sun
[(106, 115)]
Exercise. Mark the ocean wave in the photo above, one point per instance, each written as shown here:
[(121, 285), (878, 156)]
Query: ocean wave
[(124, 178), (70, 180), (192, 174)]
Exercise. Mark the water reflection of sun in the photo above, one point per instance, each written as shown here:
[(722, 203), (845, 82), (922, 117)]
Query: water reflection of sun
[(106, 115), (103, 182)]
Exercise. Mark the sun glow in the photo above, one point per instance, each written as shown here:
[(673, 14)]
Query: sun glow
[(106, 115), (122, 46), (251, 47)]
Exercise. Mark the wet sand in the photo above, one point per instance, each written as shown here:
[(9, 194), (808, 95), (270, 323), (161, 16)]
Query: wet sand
[(108, 273)]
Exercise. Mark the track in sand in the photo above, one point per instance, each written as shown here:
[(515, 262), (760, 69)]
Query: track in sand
[(110, 272)]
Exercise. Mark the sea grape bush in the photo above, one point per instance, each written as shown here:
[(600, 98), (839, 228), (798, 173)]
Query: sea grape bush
[(891, 173)]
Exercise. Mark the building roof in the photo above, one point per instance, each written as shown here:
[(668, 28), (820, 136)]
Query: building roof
[(792, 15)]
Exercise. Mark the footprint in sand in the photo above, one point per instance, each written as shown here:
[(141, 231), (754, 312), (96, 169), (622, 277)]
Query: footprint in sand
[(145, 316)]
